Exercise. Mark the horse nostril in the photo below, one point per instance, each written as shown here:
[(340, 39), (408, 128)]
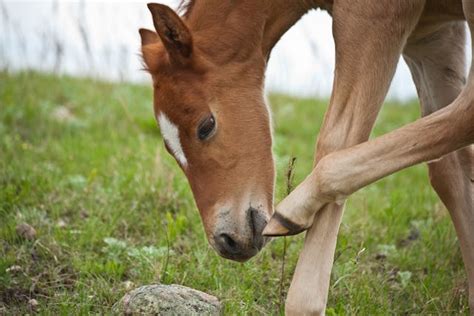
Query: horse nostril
[(242, 243), (228, 243), (257, 222)]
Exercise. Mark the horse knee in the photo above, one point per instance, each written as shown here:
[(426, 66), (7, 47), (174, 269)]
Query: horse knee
[(329, 183)]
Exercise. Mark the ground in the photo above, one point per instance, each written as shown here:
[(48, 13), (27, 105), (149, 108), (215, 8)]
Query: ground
[(83, 163)]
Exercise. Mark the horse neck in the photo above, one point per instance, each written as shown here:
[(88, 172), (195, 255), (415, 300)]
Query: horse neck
[(233, 31)]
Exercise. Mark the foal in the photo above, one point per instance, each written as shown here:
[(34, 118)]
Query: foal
[(208, 70)]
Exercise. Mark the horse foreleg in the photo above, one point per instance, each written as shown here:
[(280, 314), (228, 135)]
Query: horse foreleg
[(367, 52), (341, 173)]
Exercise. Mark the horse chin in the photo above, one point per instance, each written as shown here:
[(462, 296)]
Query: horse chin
[(237, 259), (241, 257)]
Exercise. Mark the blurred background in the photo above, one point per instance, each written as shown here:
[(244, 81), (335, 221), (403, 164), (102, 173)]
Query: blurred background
[(99, 39)]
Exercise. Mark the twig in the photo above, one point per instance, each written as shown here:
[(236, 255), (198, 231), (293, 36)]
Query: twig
[(290, 174)]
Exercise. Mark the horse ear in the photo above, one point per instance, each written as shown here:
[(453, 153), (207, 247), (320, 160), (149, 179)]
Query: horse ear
[(172, 31), (148, 37), (149, 54)]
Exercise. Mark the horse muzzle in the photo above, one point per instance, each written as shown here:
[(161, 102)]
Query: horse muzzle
[(242, 243)]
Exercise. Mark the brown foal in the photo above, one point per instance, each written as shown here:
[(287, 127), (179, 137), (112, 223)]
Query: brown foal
[(208, 72)]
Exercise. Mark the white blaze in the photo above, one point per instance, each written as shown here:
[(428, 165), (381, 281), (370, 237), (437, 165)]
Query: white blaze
[(170, 134)]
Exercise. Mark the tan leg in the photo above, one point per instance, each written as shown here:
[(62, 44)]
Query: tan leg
[(353, 108), (341, 173), (438, 67), (433, 136), (463, 212), (452, 177)]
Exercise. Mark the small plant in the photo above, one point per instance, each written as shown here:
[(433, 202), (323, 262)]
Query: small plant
[(141, 259), (405, 277), (114, 248), (290, 174)]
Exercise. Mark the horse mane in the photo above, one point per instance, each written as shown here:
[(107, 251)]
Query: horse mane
[(185, 7)]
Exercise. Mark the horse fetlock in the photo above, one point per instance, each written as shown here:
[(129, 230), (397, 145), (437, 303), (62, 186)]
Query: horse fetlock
[(294, 214)]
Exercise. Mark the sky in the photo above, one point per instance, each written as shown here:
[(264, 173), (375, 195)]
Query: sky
[(99, 38)]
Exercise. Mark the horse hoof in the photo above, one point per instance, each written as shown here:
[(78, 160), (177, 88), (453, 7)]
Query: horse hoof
[(282, 226)]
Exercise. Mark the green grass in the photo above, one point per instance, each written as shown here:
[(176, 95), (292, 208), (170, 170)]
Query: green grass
[(111, 206)]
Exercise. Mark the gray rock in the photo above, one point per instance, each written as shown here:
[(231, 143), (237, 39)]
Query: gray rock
[(26, 231), (171, 299)]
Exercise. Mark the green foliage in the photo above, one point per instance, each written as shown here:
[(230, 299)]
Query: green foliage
[(83, 163)]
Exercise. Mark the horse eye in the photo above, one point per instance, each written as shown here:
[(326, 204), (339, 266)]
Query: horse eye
[(206, 127)]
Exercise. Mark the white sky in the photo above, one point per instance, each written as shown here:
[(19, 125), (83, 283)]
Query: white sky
[(302, 63)]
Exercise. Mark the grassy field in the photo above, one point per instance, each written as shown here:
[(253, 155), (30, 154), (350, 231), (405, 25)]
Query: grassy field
[(83, 163)]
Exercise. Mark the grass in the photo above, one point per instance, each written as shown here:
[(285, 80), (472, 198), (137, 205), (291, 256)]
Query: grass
[(83, 163)]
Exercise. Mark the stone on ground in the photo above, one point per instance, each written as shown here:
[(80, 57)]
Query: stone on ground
[(171, 299)]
